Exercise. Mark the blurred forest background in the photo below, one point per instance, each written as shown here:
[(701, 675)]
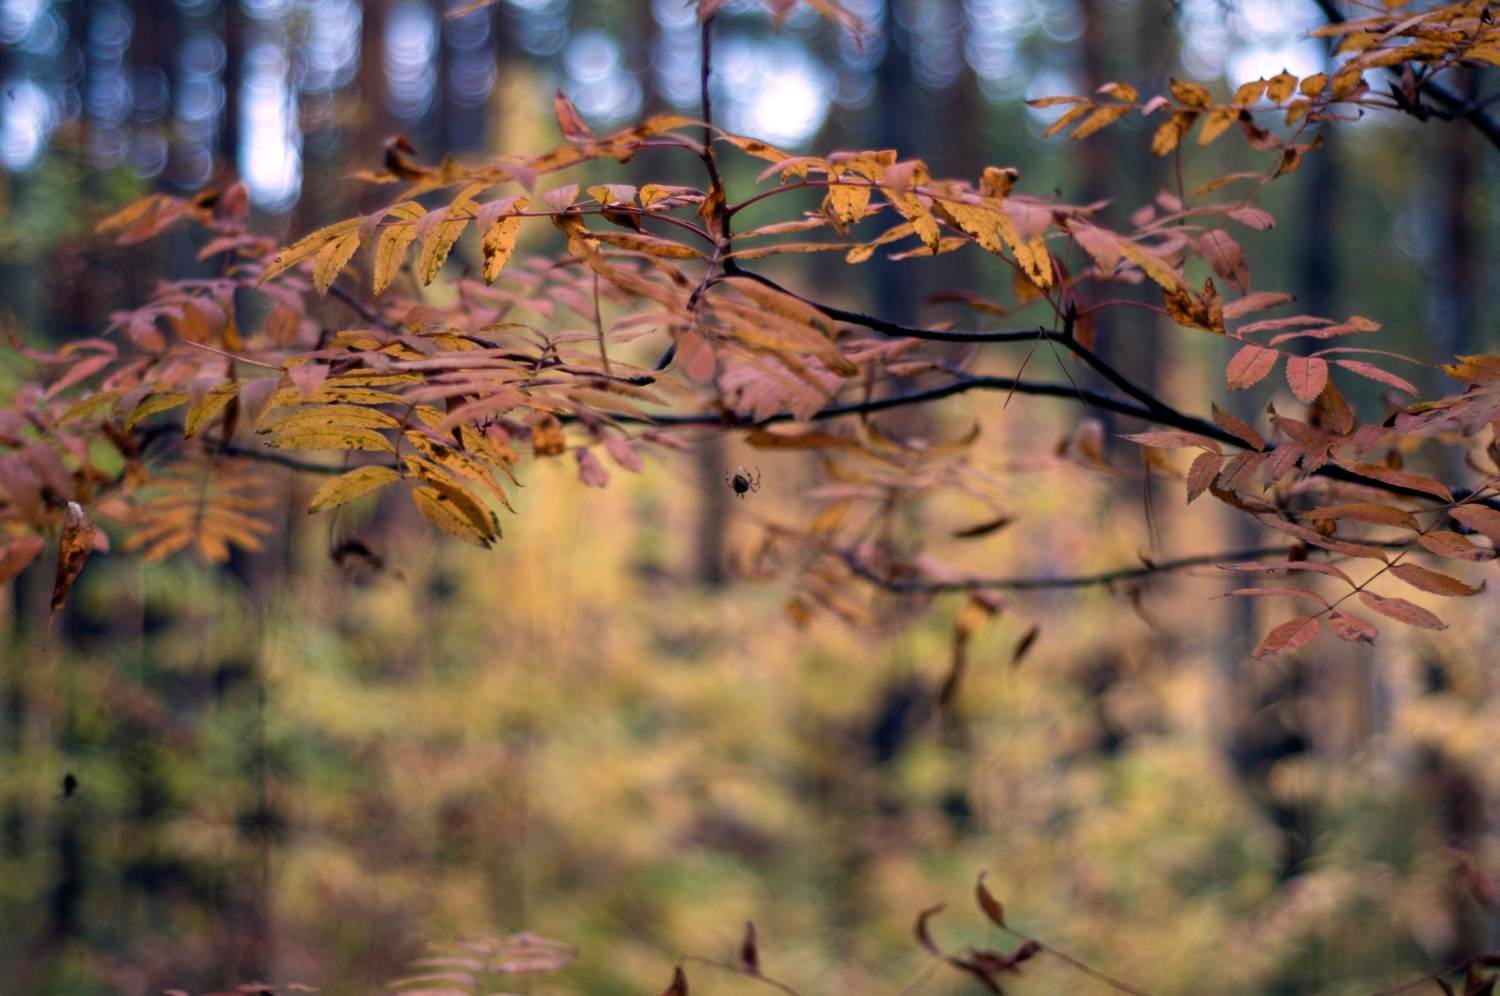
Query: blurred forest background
[(300, 767)]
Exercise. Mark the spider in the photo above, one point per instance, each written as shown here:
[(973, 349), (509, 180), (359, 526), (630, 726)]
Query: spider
[(742, 481)]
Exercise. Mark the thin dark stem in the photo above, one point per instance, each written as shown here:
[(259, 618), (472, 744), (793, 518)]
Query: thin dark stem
[(726, 966), (1037, 584), (359, 308)]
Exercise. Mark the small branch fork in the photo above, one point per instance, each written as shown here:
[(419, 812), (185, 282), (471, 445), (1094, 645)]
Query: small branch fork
[(986, 966)]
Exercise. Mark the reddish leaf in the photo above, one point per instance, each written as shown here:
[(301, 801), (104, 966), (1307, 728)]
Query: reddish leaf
[(1400, 479), (1293, 565), (1253, 218), (1306, 376), (1312, 538), (591, 473), (989, 903), (1434, 582), (1250, 365), (1338, 417), (1375, 373), (1380, 515), (1287, 636), (568, 121), (1237, 427), (1446, 544), (1240, 469), (1480, 519), (1257, 301), (1293, 592), (1402, 611), (624, 454), (1351, 627), (1202, 473), (1227, 259), (1173, 440), (15, 556)]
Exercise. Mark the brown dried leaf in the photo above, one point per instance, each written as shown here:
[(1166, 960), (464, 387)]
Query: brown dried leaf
[(73, 549), (1237, 427), (1250, 365), (989, 903)]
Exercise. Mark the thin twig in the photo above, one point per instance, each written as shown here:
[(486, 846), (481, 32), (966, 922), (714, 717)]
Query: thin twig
[(726, 966), (1038, 584)]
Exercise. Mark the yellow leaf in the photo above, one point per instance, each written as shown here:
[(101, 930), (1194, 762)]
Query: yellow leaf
[(1280, 87), (1314, 84), (1120, 91), (499, 235), (461, 465), (291, 397), (89, 405), (1072, 115), (1191, 94), (451, 516), (347, 487), (440, 240), (1155, 267), (1250, 92), (1169, 135), (298, 251), (845, 204), (326, 415), (390, 252), (331, 260), (1101, 118), (207, 409), (157, 403), (1217, 123)]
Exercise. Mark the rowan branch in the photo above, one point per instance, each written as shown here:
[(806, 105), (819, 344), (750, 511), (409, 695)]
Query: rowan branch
[(1457, 103), (864, 571)]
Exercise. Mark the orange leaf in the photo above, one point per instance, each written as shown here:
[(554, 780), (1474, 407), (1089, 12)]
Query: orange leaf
[(1293, 565), (1399, 478)]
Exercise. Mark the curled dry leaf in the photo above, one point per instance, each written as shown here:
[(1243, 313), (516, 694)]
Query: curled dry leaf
[(989, 903), (749, 951), (923, 935), (74, 548)]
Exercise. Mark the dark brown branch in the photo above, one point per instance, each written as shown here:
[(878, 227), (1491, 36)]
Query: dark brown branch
[(1037, 584), (360, 309), (272, 456), (1065, 337)]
